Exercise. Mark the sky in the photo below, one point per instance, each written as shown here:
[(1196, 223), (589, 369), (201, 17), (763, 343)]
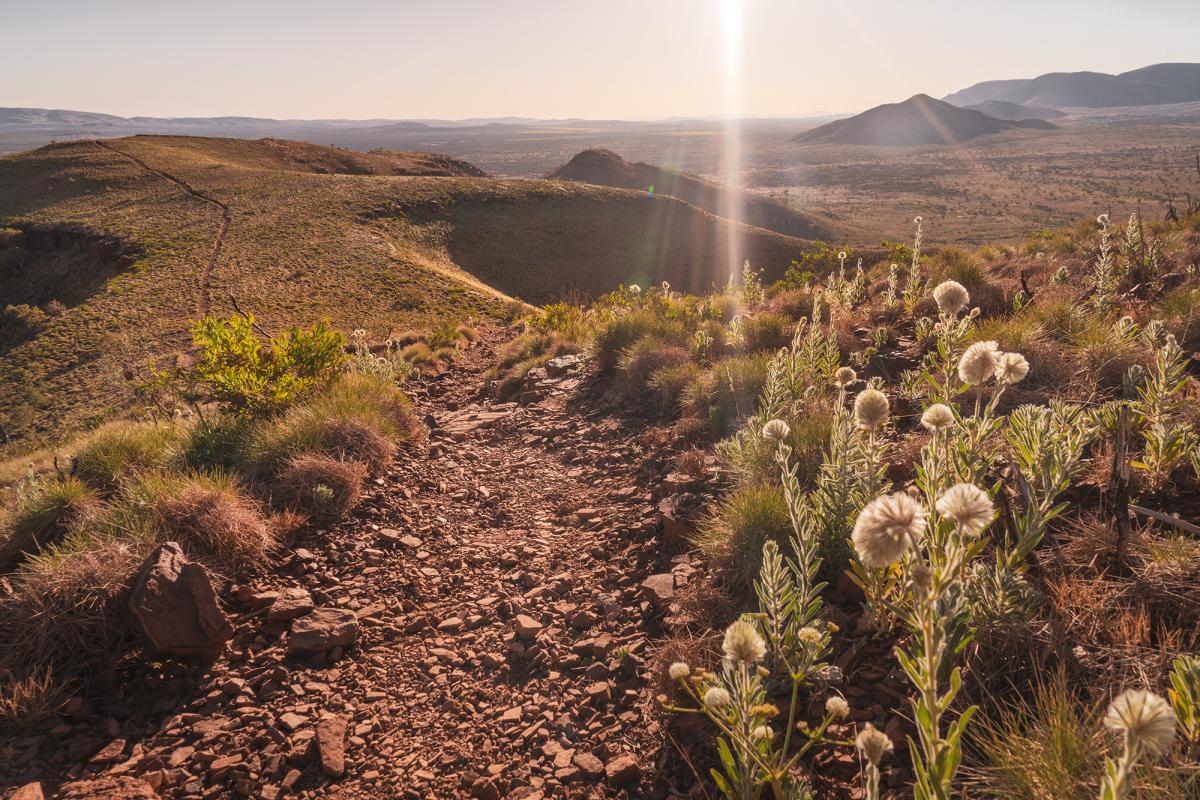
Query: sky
[(607, 59)]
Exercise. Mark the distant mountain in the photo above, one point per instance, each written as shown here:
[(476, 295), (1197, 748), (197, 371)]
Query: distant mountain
[(1015, 111), (606, 168), (1157, 84), (918, 120)]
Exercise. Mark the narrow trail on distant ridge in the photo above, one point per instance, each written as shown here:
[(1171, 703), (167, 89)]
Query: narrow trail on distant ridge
[(202, 290)]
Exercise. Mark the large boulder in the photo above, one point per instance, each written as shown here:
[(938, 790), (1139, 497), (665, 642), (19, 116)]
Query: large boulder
[(176, 608)]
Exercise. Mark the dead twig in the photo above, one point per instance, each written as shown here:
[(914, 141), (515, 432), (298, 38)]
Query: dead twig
[(1166, 518)]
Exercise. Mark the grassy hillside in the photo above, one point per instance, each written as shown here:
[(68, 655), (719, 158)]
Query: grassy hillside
[(113, 247)]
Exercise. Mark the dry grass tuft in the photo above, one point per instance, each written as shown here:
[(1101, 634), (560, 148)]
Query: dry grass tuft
[(207, 513), (118, 450), (647, 356), (26, 702), (359, 418), (733, 537), (46, 515), (67, 609), (321, 486)]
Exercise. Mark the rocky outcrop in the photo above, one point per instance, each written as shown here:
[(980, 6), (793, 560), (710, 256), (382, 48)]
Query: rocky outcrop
[(175, 606)]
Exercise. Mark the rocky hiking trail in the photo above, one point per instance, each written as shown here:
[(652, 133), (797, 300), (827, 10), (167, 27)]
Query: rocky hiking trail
[(483, 626)]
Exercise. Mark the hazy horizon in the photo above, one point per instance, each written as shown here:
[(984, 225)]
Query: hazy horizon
[(619, 60)]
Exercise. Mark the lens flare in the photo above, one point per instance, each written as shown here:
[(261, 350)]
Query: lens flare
[(731, 136)]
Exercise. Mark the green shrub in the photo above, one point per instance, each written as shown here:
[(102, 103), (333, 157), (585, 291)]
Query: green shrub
[(120, 449), (728, 393), (765, 330), (613, 338), (244, 375), (648, 355), (46, 514), (669, 382), (753, 458), (217, 443), (356, 418), (559, 320), (448, 333), (745, 519), (723, 307)]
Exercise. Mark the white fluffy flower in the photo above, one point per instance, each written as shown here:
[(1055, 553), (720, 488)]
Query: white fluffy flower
[(776, 429), (679, 671), (979, 362), (809, 635), (870, 408), (1144, 716), (1011, 368), (968, 505), (763, 733), (886, 528), (635, 289), (951, 297), (873, 743), (716, 697), (937, 417), (837, 707), (844, 376), (743, 642)]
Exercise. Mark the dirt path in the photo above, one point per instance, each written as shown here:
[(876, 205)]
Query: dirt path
[(505, 637), (523, 632), (202, 289)]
